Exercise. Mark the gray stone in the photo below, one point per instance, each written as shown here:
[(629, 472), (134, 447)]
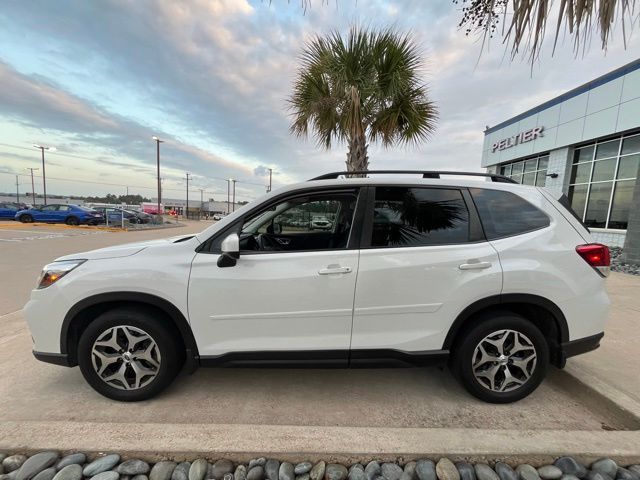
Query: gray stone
[(391, 471), (409, 472), (426, 470), (70, 472), (335, 471), (140, 476), (48, 474), (485, 472), (569, 477), (272, 469), (304, 476), (101, 464), (372, 470), (110, 475), (162, 470), (73, 459), (13, 462), (317, 472), (255, 473), (240, 473), (357, 474), (527, 472), (228, 476), (133, 467), (606, 466), (549, 472), (505, 472), (570, 466), (181, 472), (257, 462), (359, 466), (303, 467), (286, 471), (221, 468), (466, 471), (35, 464), (446, 470), (634, 469), (624, 474), (591, 475), (198, 469)]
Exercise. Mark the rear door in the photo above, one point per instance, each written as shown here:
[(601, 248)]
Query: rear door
[(424, 259)]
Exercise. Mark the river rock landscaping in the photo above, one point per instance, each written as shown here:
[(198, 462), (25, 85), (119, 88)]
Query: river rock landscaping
[(50, 465), (617, 265)]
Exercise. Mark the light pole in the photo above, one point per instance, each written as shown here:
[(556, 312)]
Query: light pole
[(33, 185), (42, 148), (187, 209), (201, 204), (158, 142), (270, 176), (233, 204), (229, 195), (17, 190)]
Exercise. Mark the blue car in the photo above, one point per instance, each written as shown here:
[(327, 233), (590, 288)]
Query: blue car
[(8, 209), (69, 214)]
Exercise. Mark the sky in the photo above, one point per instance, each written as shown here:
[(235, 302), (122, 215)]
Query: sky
[(98, 79)]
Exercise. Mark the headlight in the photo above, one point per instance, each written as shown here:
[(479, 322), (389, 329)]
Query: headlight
[(55, 271)]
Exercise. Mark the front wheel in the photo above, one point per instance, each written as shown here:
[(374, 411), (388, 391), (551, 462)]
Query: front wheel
[(126, 354), (25, 218), (502, 359)]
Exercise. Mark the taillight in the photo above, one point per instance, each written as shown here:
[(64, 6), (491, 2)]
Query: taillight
[(596, 255)]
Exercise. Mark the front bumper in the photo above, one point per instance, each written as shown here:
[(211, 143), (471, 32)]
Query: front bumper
[(61, 359)]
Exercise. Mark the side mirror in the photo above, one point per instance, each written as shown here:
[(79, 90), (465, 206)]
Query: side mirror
[(230, 251)]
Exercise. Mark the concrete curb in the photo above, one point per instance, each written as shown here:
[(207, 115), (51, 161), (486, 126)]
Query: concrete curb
[(297, 443)]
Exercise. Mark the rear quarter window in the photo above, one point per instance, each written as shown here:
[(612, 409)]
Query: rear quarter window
[(505, 214)]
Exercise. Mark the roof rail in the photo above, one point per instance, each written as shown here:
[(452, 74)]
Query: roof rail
[(425, 174)]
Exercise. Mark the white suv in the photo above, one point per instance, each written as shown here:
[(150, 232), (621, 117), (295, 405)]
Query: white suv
[(497, 278)]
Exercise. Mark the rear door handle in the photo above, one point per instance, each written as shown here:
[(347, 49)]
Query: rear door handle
[(332, 270), (474, 266)]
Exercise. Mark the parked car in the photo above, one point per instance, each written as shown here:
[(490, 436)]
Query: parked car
[(59, 213), (218, 216), (115, 215), (498, 279), (321, 224), (8, 210)]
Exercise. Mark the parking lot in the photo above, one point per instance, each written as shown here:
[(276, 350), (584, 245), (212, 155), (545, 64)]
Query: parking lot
[(260, 402)]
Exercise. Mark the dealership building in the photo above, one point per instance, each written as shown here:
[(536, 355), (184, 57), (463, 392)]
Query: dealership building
[(584, 143)]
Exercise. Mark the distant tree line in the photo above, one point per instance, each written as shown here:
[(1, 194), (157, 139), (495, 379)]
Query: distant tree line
[(111, 198)]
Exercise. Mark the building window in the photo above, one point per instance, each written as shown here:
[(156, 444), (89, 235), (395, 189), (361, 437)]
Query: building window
[(531, 171), (603, 176)]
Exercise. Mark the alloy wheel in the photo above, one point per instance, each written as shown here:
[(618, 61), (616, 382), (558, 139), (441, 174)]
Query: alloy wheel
[(126, 357), (504, 360)]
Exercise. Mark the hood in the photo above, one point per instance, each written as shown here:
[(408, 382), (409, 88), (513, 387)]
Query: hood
[(126, 250)]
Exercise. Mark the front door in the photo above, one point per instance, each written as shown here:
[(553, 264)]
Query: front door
[(424, 261), (292, 288)]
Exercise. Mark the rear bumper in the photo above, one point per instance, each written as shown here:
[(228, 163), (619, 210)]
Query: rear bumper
[(579, 346), (61, 359)]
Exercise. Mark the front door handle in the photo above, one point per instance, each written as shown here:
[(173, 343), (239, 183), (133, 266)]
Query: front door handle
[(331, 270), (474, 266)]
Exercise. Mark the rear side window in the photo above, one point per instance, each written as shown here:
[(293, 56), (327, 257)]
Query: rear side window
[(504, 214), (415, 217)]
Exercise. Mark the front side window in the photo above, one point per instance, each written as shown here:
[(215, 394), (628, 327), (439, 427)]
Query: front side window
[(416, 217), (49, 208), (315, 222), (504, 214)]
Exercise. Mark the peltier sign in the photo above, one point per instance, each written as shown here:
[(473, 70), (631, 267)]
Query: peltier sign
[(522, 137)]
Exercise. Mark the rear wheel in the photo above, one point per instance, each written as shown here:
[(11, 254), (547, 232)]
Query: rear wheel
[(502, 359), (26, 218), (126, 354), (72, 221)]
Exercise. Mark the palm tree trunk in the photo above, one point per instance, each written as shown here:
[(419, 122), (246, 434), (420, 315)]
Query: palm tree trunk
[(357, 158)]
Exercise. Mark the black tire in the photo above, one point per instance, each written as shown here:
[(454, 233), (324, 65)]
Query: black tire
[(72, 221), (26, 218), (484, 326), (170, 355)]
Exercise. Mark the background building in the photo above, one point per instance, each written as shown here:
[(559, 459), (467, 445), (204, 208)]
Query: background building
[(586, 144)]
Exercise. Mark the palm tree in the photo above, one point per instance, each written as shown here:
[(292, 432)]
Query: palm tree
[(360, 89)]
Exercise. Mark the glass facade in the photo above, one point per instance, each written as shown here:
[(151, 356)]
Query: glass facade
[(603, 176), (530, 171)]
